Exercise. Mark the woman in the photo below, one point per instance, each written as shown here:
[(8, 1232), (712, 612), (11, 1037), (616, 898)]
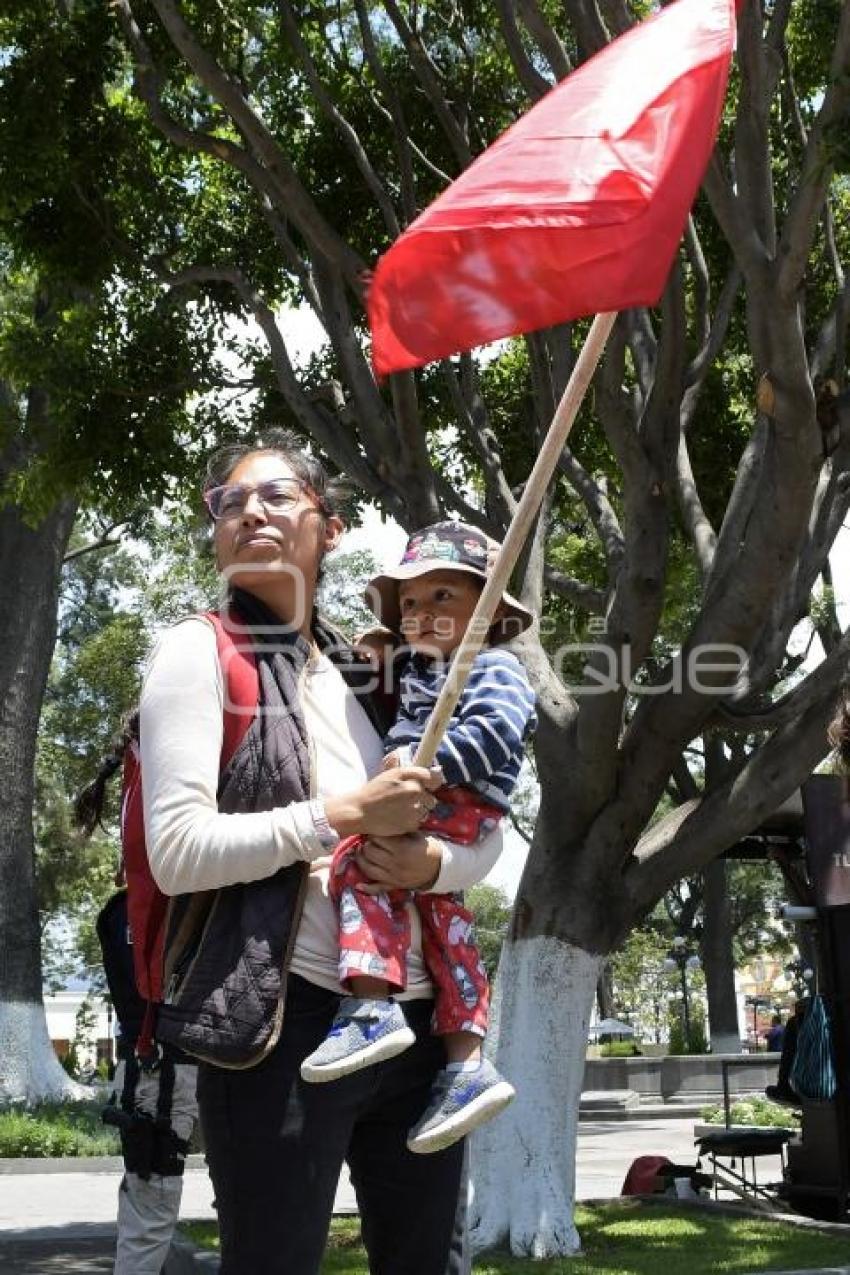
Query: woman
[(259, 836)]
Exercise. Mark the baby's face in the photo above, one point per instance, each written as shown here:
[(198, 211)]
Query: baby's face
[(435, 610)]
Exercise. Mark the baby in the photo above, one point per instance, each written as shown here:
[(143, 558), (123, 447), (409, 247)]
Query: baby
[(427, 602)]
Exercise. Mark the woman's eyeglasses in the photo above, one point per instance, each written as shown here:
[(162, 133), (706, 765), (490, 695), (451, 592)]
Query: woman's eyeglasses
[(277, 496)]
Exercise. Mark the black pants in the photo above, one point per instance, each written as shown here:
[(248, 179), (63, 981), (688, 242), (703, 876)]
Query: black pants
[(276, 1145)]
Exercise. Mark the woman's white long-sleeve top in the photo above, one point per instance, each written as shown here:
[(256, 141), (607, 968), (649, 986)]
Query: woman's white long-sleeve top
[(192, 846)]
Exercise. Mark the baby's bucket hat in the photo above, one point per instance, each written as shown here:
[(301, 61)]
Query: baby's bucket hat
[(445, 546)]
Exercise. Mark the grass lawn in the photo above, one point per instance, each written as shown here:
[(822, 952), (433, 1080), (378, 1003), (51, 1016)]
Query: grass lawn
[(630, 1238)]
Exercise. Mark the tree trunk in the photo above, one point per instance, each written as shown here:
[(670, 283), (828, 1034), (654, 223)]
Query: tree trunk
[(605, 991), (718, 961), (30, 569), (523, 1164)]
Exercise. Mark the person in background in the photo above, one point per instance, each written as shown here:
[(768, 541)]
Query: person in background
[(775, 1034), (154, 1110), (782, 1092)]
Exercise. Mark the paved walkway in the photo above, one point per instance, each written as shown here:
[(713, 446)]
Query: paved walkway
[(62, 1220)]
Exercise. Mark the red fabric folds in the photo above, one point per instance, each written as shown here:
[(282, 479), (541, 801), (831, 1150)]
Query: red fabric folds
[(577, 209)]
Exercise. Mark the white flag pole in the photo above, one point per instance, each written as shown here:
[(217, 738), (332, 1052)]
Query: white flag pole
[(500, 573)]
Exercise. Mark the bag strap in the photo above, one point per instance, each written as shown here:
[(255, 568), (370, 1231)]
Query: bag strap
[(165, 1097), (241, 696), (239, 676), (131, 1080)]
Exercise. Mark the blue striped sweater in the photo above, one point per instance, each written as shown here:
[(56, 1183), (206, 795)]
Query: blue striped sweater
[(483, 746)]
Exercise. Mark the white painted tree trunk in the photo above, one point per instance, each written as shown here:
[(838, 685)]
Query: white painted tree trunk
[(523, 1163), (29, 1069), (30, 570)]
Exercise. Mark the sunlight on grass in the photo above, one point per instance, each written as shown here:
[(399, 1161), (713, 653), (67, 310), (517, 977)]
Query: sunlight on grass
[(56, 1129), (666, 1228), (630, 1238)]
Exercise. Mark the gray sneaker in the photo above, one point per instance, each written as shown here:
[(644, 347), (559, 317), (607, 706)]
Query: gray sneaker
[(364, 1032), (460, 1101)]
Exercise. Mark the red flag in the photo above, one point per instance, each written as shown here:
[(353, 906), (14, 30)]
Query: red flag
[(577, 209)]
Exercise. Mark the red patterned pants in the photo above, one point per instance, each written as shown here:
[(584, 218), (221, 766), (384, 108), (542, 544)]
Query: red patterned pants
[(374, 929)]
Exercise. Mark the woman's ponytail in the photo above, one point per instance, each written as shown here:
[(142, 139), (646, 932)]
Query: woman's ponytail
[(88, 807)]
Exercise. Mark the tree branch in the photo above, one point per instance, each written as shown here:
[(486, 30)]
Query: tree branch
[(471, 412), (693, 835), (831, 344), (416, 473), (337, 442), (531, 567), (832, 339), (278, 177), (700, 365), (697, 523), (738, 599), (429, 77), (592, 35), (148, 88), (343, 126), (792, 705), (599, 508), (749, 250), (760, 66), (613, 406), (644, 349), (617, 16), (777, 26), (659, 422), (104, 541), (393, 112), (538, 26), (808, 200), (532, 81), (686, 786), (580, 594), (376, 425), (451, 499), (829, 507), (702, 286), (740, 504)]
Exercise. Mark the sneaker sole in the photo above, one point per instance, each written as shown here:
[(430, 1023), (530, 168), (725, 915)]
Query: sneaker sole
[(378, 1051), (483, 1108)]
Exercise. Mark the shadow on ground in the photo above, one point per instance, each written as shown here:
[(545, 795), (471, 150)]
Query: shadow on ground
[(58, 1251)]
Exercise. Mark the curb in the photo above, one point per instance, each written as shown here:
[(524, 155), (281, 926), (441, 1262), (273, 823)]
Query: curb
[(12, 1165)]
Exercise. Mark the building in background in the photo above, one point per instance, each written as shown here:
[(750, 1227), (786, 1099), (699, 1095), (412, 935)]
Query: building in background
[(78, 1015)]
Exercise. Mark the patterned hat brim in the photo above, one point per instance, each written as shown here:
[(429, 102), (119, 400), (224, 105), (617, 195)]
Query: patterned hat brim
[(381, 596)]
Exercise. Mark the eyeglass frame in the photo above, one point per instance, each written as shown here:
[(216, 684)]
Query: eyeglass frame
[(256, 489)]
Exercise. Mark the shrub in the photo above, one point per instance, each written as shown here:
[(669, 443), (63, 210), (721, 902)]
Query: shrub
[(71, 1062), (697, 1042), (754, 1111), (617, 1049), (56, 1129)]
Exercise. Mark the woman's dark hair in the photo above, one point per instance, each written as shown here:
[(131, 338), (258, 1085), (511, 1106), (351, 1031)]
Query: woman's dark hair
[(88, 806), (838, 731), (332, 493)]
